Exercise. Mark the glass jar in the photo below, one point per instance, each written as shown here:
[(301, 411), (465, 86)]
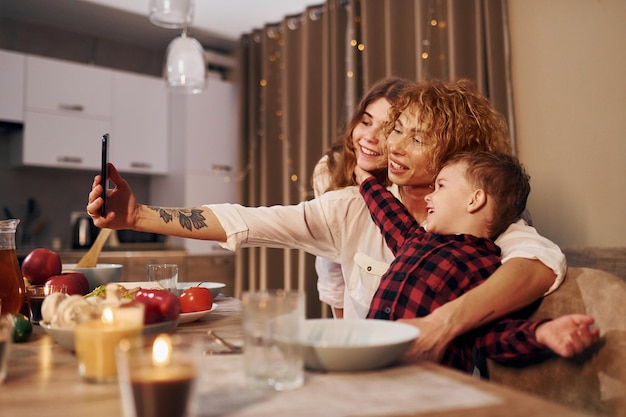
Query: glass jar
[(11, 280)]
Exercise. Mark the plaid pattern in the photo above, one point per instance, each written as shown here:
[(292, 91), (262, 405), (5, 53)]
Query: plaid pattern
[(430, 270)]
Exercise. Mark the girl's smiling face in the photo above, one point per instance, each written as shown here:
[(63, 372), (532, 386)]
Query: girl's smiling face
[(369, 138)]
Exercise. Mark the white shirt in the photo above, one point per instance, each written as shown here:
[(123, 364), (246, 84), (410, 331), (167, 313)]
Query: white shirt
[(337, 226)]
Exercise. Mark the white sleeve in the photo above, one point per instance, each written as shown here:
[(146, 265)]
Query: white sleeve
[(523, 241), (330, 283), (313, 226)]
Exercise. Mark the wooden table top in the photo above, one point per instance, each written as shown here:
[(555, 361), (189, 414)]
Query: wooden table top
[(43, 380)]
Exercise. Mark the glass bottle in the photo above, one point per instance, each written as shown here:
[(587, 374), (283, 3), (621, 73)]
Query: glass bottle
[(11, 281)]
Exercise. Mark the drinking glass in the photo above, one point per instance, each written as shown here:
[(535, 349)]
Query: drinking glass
[(165, 274), (272, 325)]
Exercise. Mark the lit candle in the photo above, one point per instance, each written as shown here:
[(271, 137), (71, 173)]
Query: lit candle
[(163, 386), (96, 338)]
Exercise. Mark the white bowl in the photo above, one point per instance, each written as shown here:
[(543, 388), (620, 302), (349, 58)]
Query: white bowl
[(354, 345), (64, 336), (215, 287), (101, 274)]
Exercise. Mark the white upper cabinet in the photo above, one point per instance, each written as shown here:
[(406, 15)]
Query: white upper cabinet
[(139, 141), (68, 108), (12, 86), (68, 88), (212, 129)]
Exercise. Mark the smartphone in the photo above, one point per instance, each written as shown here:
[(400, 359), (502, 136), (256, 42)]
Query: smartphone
[(103, 173)]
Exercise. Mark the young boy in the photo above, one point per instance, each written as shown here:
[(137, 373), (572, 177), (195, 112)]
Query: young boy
[(476, 196)]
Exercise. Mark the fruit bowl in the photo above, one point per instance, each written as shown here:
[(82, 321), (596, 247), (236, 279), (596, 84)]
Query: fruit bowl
[(101, 274), (64, 336), (351, 345)]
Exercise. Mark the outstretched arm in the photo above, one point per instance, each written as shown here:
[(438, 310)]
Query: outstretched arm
[(123, 212), (520, 340)]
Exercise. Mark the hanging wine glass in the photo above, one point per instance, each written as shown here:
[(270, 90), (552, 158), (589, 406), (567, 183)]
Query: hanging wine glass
[(171, 14), (185, 65)]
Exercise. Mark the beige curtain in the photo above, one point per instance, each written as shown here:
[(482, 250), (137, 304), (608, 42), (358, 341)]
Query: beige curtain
[(301, 78)]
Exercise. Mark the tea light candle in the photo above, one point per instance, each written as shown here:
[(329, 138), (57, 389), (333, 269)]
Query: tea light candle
[(96, 339), (162, 388)]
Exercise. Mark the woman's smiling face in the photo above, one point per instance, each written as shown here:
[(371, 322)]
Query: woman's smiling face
[(408, 153), (369, 138)]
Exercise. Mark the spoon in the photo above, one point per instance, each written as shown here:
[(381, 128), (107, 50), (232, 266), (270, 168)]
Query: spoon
[(217, 339), (90, 259)]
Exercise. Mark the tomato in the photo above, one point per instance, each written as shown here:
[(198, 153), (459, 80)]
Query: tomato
[(196, 299), (22, 328)]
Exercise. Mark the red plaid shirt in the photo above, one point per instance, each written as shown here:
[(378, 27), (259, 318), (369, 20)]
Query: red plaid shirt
[(429, 270)]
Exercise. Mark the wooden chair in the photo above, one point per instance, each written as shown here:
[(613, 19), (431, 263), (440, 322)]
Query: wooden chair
[(596, 381)]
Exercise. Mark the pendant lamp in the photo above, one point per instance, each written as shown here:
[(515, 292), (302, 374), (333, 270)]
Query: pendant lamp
[(171, 14), (185, 65)]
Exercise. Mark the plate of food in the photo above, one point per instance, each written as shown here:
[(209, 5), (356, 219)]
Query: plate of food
[(196, 315), (64, 336)]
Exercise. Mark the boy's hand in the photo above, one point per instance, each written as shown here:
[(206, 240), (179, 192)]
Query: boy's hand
[(568, 335)]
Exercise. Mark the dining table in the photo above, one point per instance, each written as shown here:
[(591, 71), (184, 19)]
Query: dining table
[(43, 380)]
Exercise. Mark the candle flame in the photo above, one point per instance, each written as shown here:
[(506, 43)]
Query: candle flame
[(161, 350), (107, 316)]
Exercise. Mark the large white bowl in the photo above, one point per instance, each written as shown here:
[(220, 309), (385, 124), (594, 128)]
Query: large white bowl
[(101, 274), (64, 336), (354, 345)]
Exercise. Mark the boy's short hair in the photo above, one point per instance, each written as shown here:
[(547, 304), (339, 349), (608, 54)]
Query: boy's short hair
[(503, 178)]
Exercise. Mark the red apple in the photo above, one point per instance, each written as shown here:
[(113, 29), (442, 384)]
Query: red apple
[(161, 305), (76, 282), (41, 264)]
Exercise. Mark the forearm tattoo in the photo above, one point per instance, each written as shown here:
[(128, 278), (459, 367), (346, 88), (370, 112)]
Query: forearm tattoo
[(189, 218)]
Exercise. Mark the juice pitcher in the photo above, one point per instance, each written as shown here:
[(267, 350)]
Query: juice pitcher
[(11, 281)]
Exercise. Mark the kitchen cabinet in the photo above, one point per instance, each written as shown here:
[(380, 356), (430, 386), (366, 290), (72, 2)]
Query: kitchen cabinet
[(204, 166), (68, 107), (212, 124), (60, 141), (139, 139), (212, 268), (12, 86)]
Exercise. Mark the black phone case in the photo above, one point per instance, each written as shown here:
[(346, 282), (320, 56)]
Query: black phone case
[(103, 172)]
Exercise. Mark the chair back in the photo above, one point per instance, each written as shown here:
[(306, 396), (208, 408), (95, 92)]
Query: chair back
[(595, 381)]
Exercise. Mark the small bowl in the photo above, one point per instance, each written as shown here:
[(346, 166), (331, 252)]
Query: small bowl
[(215, 287), (64, 336), (101, 274), (354, 345)]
